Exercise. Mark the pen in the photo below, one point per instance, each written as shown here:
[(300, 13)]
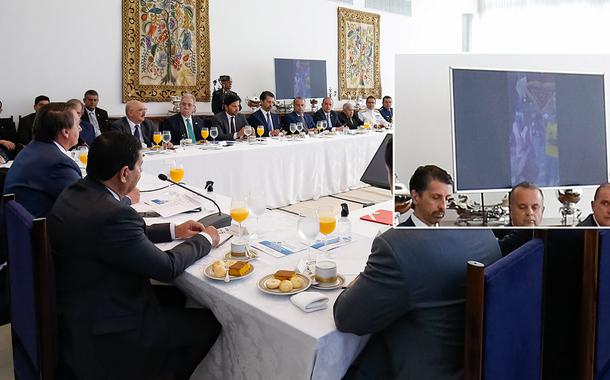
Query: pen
[(225, 240)]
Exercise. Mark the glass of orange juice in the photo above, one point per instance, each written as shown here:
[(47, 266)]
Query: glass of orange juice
[(83, 154), (260, 130), (327, 220), (205, 132), (157, 138), (239, 211), (176, 171)]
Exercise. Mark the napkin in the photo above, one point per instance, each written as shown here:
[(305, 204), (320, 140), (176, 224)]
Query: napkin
[(310, 301)]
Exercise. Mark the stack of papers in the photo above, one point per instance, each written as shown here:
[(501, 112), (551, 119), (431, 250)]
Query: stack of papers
[(279, 249), (170, 204)]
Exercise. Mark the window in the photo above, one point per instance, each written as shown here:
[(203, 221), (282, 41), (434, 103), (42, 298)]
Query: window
[(498, 4), (402, 7)]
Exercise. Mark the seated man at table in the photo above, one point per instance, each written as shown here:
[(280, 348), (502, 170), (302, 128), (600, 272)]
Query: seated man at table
[(44, 168), (111, 321), (87, 131), (347, 117), (412, 289), (184, 124), (93, 114), (386, 109), (601, 208), (327, 114), (263, 116), (26, 123), (298, 115), (371, 115), (430, 188), (135, 123), (230, 122)]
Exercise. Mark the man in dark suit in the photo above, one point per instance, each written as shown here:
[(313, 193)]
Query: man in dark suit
[(298, 116), (327, 114), (9, 145), (413, 290), (386, 111), (26, 123), (184, 124), (430, 188), (263, 116), (135, 123), (347, 117), (111, 323), (44, 168), (218, 95), (94, 115), (601, 208), (230, 122), (87, 131)]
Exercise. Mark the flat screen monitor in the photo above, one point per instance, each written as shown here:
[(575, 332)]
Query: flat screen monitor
[(376, 173), (541, 127), (300, 77)]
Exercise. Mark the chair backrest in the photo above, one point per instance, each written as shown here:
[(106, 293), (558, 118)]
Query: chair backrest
[(32, 293), (8, 130), (504, 316)]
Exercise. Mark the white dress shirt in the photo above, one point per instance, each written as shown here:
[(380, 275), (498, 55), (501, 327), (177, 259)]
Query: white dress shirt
[(373, 116)]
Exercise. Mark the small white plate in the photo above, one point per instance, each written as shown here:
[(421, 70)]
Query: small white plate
[(228, 256), (277, 292), (330, 286), (209, 274)]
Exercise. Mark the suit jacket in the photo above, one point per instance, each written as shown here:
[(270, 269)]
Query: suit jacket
[(147, 128), (38, 175), (388, 115), (294, 118), (218, 97), (258, 118), (514, 239), (87, 133), (320, 116), (25, 128), (175, 124), (413, 291), (104, 256), (588, 222), (101, 116), (407, 223), (221, 122), (352, 122)]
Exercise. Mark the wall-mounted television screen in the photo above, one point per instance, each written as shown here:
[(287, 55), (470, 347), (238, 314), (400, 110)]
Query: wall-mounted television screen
[(300, 77), (513, 126)]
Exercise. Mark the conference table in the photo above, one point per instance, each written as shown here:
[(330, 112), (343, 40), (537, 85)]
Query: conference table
[(266, 336), (285, 170)]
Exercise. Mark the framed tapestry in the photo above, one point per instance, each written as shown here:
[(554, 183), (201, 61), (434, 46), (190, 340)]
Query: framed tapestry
[(358, 54), (166, 49)]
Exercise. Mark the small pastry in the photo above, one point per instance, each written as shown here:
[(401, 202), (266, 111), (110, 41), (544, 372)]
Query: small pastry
[(286, 286), (284, 274), (272, 283), (297, 282)]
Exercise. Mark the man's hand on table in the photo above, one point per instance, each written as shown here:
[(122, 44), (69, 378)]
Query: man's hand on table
[(274, 132), (191, 228)]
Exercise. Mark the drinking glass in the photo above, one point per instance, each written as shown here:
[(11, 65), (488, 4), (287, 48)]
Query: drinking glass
[(205, 132), (256, 202), (176, 171), (293, 129), (307, 229), (318, 126), (239, 212), (214, 134), (324, 125), (83, 154), (248, 131), (157, 138), (167, 137), (299, 127), (328, 221), (260, 130)]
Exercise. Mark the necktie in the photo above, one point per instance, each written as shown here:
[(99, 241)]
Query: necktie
[(232, 125), (93, 121), (269, 123), (305, 126), (329, 124), (137, 133), (189, 130)]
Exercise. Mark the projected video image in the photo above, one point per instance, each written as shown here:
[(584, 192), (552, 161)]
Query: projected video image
[(302, 78), (534, 150)]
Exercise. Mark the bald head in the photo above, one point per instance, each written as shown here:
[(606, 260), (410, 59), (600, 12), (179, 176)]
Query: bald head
[(135, 111), (601, 205)]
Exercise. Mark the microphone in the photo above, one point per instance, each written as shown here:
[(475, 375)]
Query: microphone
[(217, 220)]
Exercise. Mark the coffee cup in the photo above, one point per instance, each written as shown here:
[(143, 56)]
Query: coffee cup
[(326, 272), (238, 249)]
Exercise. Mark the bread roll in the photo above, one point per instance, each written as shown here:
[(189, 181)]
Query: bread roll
[(297, 282), (286, 286), (272, 283)]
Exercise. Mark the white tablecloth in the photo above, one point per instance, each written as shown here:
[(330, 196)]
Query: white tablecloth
[(286, 171), (266, 336)]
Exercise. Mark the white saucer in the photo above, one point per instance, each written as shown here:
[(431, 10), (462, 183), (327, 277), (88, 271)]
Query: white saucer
[(209, 274), (329, 286)]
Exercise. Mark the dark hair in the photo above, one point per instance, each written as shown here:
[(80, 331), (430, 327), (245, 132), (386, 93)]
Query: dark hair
[(265, 95), (388, 153), (386, 97), (371, 97), (524, 185), (90, 92), (424, 174), (109, 152), (51, 119), (596, 191), (230, 98), (40, 98)]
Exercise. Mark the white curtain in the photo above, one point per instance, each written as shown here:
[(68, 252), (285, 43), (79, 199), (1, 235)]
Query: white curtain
[(402, 7)]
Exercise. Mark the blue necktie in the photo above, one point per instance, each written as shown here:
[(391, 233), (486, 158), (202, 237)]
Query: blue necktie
[(137, 133), (269, 123)]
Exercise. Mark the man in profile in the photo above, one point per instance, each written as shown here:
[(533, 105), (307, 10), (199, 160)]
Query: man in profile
[(263, 116), (298, 116), (371, 115), (26, 123), (87, 132), (96, 116), (327, 114), (112, 323), (230, 122), (217, 96), (135, 123), (430, 188), (386, 110), (601, 208), (347, 118), (184, 124)]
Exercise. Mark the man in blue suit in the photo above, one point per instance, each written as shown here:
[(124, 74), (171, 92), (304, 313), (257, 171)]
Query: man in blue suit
[(184, 124), (44, 168), (298, 116), (386, 110), (87, 133), (264, 117), (327, 114)]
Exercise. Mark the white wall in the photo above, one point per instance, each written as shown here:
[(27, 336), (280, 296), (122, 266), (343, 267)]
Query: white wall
[(62, 48), (423, 134)]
